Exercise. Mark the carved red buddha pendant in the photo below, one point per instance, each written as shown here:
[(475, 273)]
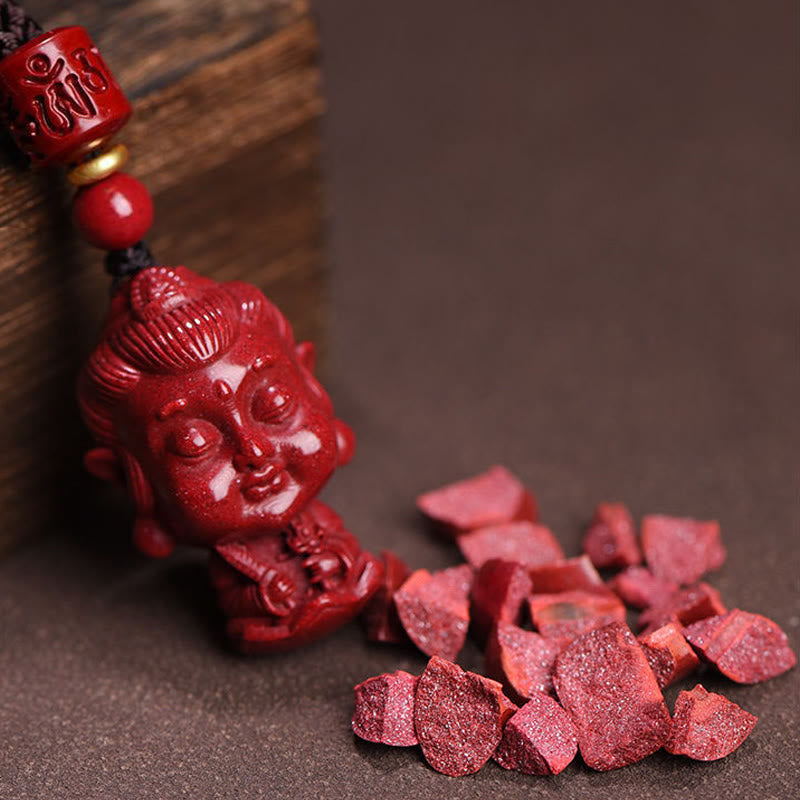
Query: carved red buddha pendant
[(202, 405), (205, 408)]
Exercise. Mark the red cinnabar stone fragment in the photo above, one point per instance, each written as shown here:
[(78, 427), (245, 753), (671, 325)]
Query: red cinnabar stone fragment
[(681, 550), (540, 739), (707, 726), (566, 575), (523, 542), (490, 498), (748, 648), (384, 709), (381, 623), (684, 606), (669, 654), (562, 617), (610, 540), (498, 592), (459, 717), (521, 660), (639, 588), (434, 609), (604, 682)]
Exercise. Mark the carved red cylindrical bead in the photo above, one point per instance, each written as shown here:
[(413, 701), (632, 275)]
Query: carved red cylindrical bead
[(58, 97), (114, 213)]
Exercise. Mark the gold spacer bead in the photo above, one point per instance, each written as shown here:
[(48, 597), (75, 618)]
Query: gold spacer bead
[(95, 144), (99, 167)]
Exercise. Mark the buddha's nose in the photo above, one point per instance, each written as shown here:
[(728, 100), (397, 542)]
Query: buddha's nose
[(253, 455)]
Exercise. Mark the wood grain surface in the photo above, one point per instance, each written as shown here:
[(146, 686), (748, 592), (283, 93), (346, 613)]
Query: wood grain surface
[(152, 43), (225, 134)]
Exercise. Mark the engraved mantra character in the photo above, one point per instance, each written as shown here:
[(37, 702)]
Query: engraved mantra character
[(58, 97), (63, 97)]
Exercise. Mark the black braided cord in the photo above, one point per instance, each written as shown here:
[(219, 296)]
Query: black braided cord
[(121, 264), (17, 28)]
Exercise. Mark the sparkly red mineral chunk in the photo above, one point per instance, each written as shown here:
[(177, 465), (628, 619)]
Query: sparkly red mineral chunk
[(707, 726), (498, 592), (434, 609), (610, 540), (639, 588), (521, 660), (566, 575), (540, 739), (490, 498), (685, 606), (459, 717), (523, 542), (681, 550), (381, 623), (669, 654), (605, 683), (564, 616), (384, 709), (748, 648)]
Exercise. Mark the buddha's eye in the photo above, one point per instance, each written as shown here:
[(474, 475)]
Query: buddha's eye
[(193, 439), (273, 404)]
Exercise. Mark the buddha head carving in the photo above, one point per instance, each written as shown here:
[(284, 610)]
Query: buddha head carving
[(203, 405)]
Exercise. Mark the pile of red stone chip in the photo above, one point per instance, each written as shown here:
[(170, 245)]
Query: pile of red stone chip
[(565, 672)]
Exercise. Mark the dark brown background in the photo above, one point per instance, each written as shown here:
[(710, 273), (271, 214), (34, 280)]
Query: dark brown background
[(564, 237)]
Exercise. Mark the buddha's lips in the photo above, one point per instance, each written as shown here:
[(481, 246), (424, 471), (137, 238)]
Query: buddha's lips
[(260, 485)]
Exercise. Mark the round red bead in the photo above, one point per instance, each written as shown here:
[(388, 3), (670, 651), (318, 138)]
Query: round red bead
[(114, 213)]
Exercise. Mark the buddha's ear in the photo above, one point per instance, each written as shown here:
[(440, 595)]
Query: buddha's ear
[(306, 354), (151, 539), (102, 462), (149, 535), (345, 442)]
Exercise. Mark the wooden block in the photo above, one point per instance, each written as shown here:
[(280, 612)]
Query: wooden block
[(226, 135)]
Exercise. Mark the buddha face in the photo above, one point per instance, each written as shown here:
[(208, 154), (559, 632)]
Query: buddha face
[(236, 447)]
